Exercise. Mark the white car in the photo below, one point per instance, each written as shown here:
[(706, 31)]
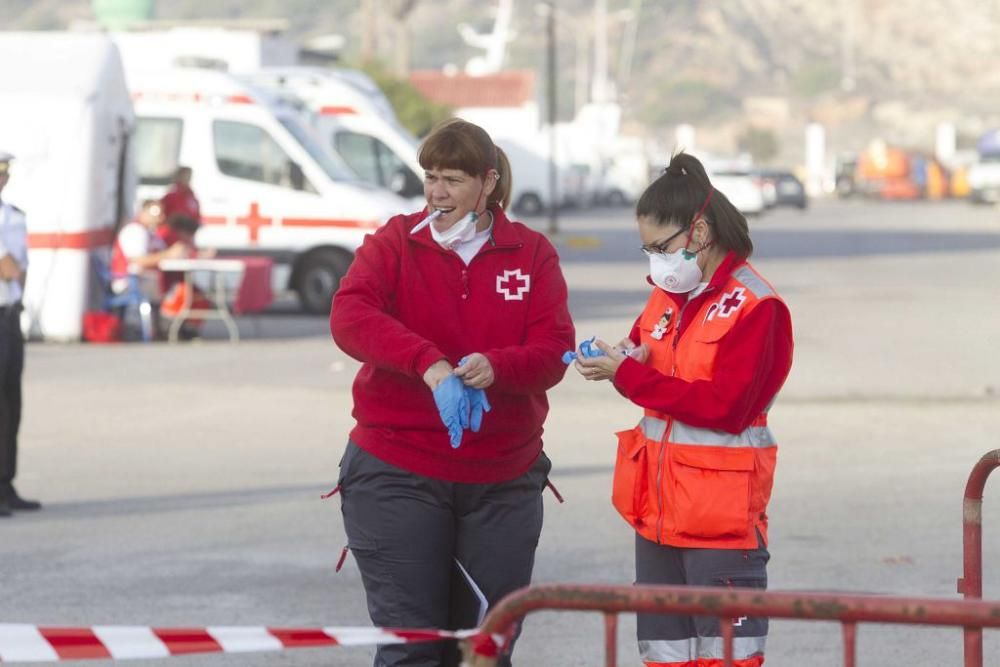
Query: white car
[(741, 188)]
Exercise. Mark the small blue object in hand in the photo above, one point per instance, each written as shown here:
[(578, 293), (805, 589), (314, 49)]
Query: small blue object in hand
[(587, 350), (453, 406)]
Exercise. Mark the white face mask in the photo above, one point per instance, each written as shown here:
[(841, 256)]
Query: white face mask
[(461, 232), (676, 272)]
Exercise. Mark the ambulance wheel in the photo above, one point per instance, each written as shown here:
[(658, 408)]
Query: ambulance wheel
[(318, 277)]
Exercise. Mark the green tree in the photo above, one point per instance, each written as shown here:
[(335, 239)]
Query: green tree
[(415, 112)]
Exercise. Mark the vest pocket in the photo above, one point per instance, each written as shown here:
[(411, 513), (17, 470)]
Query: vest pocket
[(710, 494), (630, 489)]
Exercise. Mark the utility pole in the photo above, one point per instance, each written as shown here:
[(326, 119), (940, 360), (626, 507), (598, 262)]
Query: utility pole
[(551, 83), (600, 90), (628, 47), (848, 79)]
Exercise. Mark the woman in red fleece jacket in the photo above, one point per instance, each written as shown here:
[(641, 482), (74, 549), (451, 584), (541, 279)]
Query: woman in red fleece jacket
[(706, 359), (455, 311)]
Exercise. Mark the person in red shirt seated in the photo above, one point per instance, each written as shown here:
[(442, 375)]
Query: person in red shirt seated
[(179, 201), (183, 230), (705, 360), (139, 249), (459, 316)]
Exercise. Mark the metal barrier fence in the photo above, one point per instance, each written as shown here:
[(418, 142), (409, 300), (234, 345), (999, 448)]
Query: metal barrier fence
[(972, 613), (971, 583), (727, 604)]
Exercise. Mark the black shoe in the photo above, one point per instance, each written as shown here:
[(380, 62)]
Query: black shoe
[(16, 502), (4, 509)]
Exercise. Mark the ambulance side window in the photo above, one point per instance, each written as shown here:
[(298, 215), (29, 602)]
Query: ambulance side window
[(358, 151), (376, 163), (246, 151), (158, 149), (399, 177)]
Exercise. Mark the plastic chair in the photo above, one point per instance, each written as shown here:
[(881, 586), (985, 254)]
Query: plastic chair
[(132, 297)]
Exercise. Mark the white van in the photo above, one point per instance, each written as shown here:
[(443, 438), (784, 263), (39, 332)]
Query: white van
[(66, 115), (353, 119), (265, 185)]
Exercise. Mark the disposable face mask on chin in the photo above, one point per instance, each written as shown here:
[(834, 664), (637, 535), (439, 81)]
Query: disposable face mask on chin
[(462, 231), (676, 272)]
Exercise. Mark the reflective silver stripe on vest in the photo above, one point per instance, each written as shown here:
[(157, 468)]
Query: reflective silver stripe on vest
[(667, 650), (653, 428), (753, 282), (681, 433), (687, 650)]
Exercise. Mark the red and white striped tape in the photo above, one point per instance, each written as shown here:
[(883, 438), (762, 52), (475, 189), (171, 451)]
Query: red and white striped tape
[(32, 643)]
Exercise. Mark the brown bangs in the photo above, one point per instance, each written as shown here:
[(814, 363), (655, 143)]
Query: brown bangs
[(453, 146)]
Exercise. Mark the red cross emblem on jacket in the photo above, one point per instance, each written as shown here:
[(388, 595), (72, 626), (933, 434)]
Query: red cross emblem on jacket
[(513, 285), (727, 305)]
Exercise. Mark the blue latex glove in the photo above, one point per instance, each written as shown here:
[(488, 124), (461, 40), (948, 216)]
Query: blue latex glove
[(452, 402), (478, 404), (587, 350)]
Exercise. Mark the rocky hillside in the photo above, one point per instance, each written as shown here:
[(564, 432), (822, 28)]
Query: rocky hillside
[(876, 62)]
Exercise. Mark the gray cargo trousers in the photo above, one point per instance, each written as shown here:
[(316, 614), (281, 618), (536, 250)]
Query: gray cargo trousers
[(406, 530)]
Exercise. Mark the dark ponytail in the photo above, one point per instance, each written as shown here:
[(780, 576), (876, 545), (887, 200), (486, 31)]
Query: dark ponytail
[(681, 191)]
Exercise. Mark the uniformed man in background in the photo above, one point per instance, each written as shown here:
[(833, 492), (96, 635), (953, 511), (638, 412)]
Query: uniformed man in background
[(13, 268)]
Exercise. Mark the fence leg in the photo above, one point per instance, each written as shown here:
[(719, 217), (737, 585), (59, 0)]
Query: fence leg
[(850, 631), (726, 625), (971, 583), (611, 640)]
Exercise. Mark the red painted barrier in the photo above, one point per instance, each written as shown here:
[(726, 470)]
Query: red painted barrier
[(971, 583), (731, 603)]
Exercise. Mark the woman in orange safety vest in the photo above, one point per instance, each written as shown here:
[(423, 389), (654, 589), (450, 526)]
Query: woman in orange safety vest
[(705, 360)]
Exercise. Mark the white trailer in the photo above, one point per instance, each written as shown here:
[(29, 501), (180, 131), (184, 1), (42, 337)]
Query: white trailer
[(66, 115)]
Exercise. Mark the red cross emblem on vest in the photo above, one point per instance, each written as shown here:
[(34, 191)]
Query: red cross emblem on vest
[(513, 285), (727, 305)]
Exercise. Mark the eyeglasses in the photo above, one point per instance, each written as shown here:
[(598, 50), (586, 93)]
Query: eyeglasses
[(660, 247)]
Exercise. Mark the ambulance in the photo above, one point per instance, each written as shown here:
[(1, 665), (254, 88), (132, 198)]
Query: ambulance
[(353, 119), (265, 185)]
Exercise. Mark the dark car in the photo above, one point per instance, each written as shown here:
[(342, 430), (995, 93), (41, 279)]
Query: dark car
[(788, 190)]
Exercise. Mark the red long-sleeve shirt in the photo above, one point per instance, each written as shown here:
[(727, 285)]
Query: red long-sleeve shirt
[(753, 361), (406, 303)]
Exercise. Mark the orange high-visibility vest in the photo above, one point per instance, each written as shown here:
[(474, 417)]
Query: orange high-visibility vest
[(683, 485)]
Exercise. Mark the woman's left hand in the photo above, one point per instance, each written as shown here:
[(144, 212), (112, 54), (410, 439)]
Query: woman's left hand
[(476, 371), (603, 367)]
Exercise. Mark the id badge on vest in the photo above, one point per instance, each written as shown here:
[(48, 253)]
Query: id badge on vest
[(663, 324)]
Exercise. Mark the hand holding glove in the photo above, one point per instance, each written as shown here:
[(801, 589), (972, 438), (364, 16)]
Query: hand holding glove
[(453, 404)]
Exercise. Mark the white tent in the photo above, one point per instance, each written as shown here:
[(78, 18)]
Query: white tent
[(66, 115)]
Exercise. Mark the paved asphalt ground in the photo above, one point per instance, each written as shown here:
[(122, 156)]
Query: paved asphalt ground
[(182, 482)]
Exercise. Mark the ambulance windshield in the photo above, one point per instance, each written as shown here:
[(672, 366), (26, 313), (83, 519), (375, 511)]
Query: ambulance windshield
[(331, 164)]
